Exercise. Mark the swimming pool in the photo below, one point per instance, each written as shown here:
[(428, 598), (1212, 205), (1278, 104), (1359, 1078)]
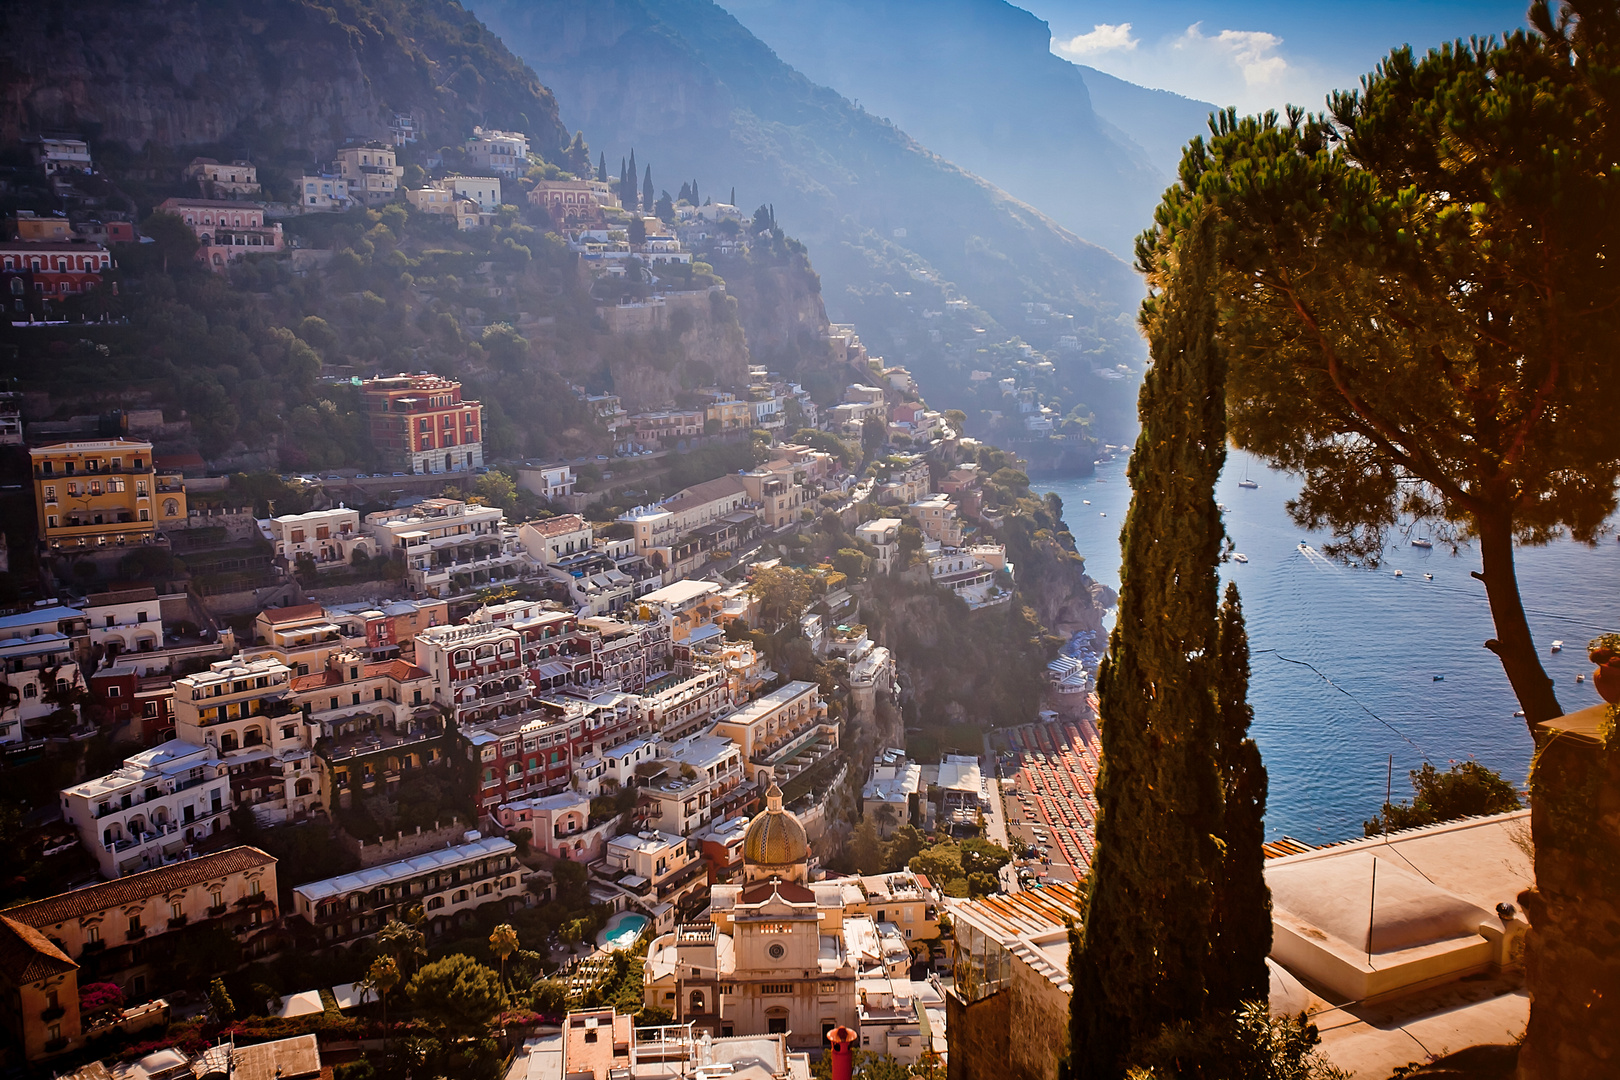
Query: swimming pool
[(622, 930)]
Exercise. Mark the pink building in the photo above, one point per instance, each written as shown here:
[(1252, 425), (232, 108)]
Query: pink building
[(227, 230), (559, 825)]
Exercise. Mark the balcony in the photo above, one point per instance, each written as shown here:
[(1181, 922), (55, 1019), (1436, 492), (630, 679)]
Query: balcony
[(217, 910), (177, 922), (136, 933), (55, 1012), (93, 947)]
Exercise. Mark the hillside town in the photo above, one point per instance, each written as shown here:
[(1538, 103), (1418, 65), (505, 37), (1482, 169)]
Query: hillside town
[(415, 754)]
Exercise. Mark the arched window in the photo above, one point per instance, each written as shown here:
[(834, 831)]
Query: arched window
[(435, 904), (304, 786), (459, 896), (695, 1004)]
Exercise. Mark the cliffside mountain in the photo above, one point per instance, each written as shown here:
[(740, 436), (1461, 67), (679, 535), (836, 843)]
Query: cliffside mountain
[(976, 81), (895, 230), (278, 74)]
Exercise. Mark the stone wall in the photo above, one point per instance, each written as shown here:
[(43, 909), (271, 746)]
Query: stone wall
[(403, 845), (979, 1036), (1572, 953)]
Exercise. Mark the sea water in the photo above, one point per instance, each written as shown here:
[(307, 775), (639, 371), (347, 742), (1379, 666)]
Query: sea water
[(1351, 666)]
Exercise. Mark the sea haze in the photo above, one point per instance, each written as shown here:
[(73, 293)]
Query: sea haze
[(1381, 640)]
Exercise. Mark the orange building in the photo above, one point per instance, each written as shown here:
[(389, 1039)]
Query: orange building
[(421, 421)]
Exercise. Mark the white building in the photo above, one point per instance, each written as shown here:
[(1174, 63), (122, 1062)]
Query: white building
[(550, 540), (883, 534), (549, 481), (483, 190), (504, 153), (151, 810), (700, 772), (886, 800), (327, 537), (450, 547), (127, 621)]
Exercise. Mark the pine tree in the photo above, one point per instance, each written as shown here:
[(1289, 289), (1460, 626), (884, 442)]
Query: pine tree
[(601, 166), (1237, 970), (685, 194), (647, 192), (1145, 942)]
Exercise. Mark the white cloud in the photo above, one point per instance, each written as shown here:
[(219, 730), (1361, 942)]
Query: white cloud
[(1250, 69), (1102, 38), (1252, 52)]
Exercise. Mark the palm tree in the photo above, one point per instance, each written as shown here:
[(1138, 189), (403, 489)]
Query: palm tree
[(402, 939), (503, 942), (383, 976)]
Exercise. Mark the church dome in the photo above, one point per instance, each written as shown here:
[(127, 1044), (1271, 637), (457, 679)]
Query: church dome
[(775, 837)]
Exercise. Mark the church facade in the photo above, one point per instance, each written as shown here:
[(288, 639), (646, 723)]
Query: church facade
[(778, 954)]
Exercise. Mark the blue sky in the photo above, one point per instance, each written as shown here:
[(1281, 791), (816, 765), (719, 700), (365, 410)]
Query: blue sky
[(1260, 54)]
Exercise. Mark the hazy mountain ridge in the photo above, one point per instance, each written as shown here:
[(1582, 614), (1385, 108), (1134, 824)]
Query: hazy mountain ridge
[(976, 81), (894, 229), (291, 74)]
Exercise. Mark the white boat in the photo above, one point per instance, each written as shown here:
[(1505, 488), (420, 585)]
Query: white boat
[(1399, 574), (1086, 501), (1422, 542), (1246, 483), (1429, 576), (1558, 646), (1240, 557)]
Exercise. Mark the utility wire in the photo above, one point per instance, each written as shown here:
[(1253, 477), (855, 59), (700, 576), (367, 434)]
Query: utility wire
[(1324, 677)]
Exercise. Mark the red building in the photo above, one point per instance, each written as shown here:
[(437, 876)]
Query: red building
[(420, 422), (35, 278)]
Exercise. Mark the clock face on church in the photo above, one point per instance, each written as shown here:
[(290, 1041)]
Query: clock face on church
[(777, 951)]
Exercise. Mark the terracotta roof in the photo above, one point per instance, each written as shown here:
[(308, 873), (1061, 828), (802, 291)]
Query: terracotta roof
[(398, 670), (316, 679), (706, 492), (563, 523), (137, 887), (273, 616), (790, 891), (26, 955)]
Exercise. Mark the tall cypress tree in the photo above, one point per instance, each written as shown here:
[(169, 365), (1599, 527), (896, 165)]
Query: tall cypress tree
[(647, 192), (601, 166), (1242, 938), (1144, 945), (628, 194), (733, 197)]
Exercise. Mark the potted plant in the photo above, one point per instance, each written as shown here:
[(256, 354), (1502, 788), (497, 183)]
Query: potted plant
[(1605, 653)]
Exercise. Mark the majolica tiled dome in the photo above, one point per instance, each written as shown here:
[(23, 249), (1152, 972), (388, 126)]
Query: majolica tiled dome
[(775, 837)]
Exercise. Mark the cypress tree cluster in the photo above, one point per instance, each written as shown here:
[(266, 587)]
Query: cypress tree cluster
[(1170, 930)]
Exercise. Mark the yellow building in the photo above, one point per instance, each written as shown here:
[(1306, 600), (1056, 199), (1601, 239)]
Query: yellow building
[(102, 492)]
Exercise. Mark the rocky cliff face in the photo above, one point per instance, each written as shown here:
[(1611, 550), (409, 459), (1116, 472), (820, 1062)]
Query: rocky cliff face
[(280, 73)]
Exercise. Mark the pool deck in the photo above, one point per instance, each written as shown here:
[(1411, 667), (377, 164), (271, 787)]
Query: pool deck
[(603, 939)]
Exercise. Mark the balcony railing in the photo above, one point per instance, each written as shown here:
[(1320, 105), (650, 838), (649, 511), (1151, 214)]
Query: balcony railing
[(177, 922), (136, 933), (55, 1012)]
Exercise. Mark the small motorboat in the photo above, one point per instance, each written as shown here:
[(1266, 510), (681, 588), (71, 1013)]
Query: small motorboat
[(1102, 514), (1240, 557), (1422, 542), (1428, 577), (1439, 678), (1558, 646), (1518, 712), (1399, 574), (1086, 501), (1581, 677)]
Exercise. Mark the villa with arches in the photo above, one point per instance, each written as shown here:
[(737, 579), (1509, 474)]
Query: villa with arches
[(449, 884)]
